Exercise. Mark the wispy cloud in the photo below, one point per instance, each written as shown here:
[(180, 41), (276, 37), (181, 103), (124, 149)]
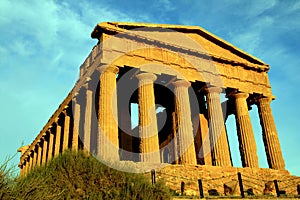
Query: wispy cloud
[(42, 46)]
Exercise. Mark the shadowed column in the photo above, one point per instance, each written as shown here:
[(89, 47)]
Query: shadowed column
[(76, 116), (184, 123), (45, 145), (270, 136), (245, 132), (34, 157), (28, 166), (217, 133), (108, 141), (66, 132), (57, 138), (22, 150), (39, 158), (21, 166), (88, 119), (149, 145), (175, 138), (31, 160), (51, 144)]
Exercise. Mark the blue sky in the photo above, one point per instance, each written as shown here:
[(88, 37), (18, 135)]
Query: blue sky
[(43, 43)]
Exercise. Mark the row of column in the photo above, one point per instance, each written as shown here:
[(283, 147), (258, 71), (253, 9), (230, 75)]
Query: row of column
[(217, 132), (108, 143), (54, 141), (247, 145)]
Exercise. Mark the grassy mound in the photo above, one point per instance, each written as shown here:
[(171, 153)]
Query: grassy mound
[(77, 176), (6, 180)]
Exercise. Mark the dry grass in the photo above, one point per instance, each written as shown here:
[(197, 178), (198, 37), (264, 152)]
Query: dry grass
[(76, 176)]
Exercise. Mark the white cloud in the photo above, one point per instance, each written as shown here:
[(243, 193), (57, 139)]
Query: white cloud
[(257, 7)]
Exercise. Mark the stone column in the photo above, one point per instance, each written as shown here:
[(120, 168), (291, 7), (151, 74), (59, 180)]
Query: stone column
[(125, 131), (28, 164), (217, 133), (245, 132), (175, 138), (51, 144), (88, 120), (45, 149), (66, 131), (39, 156), (25, 167), (57, 139), (31, 160), (108, 141), (184, 123), (270, 136), (34, 157), (21, 166), (76, 116), (148, 133)]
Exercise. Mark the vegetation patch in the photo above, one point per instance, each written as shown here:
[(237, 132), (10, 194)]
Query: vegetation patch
[(74, 175)]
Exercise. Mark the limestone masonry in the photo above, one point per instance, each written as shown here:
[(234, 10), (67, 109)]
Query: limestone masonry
[(176, 75)]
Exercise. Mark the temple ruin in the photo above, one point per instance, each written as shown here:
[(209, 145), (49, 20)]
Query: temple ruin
[(177, 86)]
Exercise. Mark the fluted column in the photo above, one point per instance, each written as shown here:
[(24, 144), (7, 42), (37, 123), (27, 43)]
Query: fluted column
[(34, 157), (31, 160), (28, 164), (51, 144), (45, 149), (245, 132), (148, 133), (57, 139), (24, 167), (21, 166), (184, 123), (270, 136), (76, 116), (108, 142), (66, 131), (125, 131), (88, 120), (175, 138), (39, 156), (217, 133)]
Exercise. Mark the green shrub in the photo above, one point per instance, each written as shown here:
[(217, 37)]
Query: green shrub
[(6, 180), (77, 176)]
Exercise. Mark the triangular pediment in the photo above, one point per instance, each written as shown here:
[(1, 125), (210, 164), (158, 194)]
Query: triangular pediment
[(212, 44)]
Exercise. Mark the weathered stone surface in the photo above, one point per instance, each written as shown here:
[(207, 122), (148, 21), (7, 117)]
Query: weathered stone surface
[(57, 139), (245, 131), (45, 149), (149, 145), (51, 144), (185, 129), (270, 136), (108, 142), (88, 120), (259, 180), (220, 151), (75, 134), (66, 132)]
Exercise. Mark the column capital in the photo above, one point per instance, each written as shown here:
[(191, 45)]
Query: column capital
[(238, 95), (109, 68), (181, 83), (213, 89), (265, 100), (65, 112), (146, 76), (56, 120)]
